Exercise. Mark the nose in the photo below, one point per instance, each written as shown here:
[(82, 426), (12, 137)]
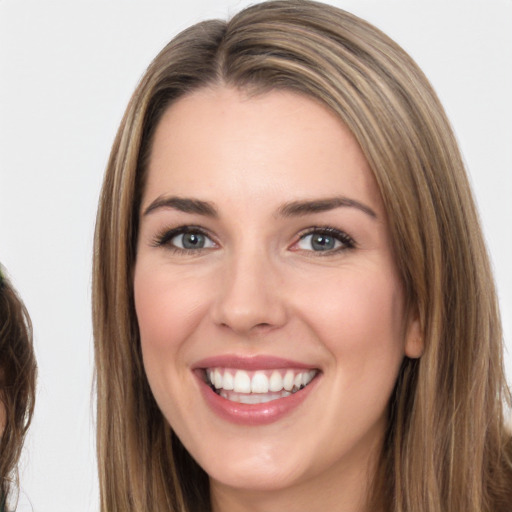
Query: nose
[(251, 297)]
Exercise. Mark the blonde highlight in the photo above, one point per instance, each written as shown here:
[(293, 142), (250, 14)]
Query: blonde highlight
[(457, 390)]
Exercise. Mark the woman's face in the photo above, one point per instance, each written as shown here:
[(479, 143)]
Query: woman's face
[(264, 265)]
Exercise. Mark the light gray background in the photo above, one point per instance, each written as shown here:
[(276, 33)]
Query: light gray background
[(67, 70)]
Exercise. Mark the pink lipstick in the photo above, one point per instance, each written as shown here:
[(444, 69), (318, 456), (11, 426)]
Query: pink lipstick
[(254, 390)]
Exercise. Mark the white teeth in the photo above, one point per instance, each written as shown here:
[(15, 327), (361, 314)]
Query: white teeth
[(307, 377), (249, 399), (258, 382), (228, 382), (288, 380), (242, 383), (276, 381), (253, 398), (217, 379)]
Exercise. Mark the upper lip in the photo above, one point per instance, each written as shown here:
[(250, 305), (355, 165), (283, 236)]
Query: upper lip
[(250, 363)]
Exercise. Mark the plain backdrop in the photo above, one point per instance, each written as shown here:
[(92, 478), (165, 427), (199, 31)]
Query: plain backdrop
[(67, 70)]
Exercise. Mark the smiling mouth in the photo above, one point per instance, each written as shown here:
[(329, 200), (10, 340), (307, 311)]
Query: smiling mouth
[(257, 387)]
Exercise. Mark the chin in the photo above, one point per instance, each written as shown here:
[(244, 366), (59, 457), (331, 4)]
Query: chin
[(255, 476)]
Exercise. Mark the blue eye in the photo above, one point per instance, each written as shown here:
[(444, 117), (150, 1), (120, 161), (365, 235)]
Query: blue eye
[(185, 238), (191, 241), (325, 240)]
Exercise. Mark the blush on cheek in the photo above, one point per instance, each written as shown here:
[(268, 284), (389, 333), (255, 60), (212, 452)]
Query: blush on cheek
[(362, 324), (166, 307)]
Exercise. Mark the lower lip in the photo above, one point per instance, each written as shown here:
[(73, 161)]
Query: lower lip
[(255, 414)]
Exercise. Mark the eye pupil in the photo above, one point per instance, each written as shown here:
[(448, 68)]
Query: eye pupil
[(321, 242), (193, 241)]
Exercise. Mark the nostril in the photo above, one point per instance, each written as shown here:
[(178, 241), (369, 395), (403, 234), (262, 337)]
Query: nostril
[(259, 327)]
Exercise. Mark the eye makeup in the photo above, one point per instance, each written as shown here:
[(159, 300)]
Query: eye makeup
[(324, 241), (317, 240), (184, 239)]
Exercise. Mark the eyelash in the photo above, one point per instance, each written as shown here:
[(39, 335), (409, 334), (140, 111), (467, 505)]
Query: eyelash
[(164, 239), (347, 242)]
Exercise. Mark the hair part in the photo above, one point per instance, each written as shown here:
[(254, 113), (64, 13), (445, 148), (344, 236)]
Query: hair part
[(446, 448)]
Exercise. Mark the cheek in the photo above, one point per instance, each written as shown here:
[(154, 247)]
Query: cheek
[(166, 306), (169, 308), (359, 321), (359, 318)]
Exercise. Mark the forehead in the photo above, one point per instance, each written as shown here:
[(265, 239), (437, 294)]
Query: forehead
[(255, 145)]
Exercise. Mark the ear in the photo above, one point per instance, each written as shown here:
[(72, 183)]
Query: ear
[(414, 342)]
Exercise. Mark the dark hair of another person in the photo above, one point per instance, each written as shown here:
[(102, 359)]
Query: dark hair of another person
[(18, 372)]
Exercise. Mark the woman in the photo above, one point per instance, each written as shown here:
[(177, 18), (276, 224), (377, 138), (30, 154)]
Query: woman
[(293, 305), (17, 379)]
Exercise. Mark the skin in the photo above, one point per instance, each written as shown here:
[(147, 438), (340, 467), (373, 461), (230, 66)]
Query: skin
[(259, 288)]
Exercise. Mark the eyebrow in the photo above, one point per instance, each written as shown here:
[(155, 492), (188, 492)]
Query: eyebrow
[(298, 208), (291, 209), (183, 204)]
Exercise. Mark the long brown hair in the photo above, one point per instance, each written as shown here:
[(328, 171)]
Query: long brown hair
[(446, 448), (17, 383)]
